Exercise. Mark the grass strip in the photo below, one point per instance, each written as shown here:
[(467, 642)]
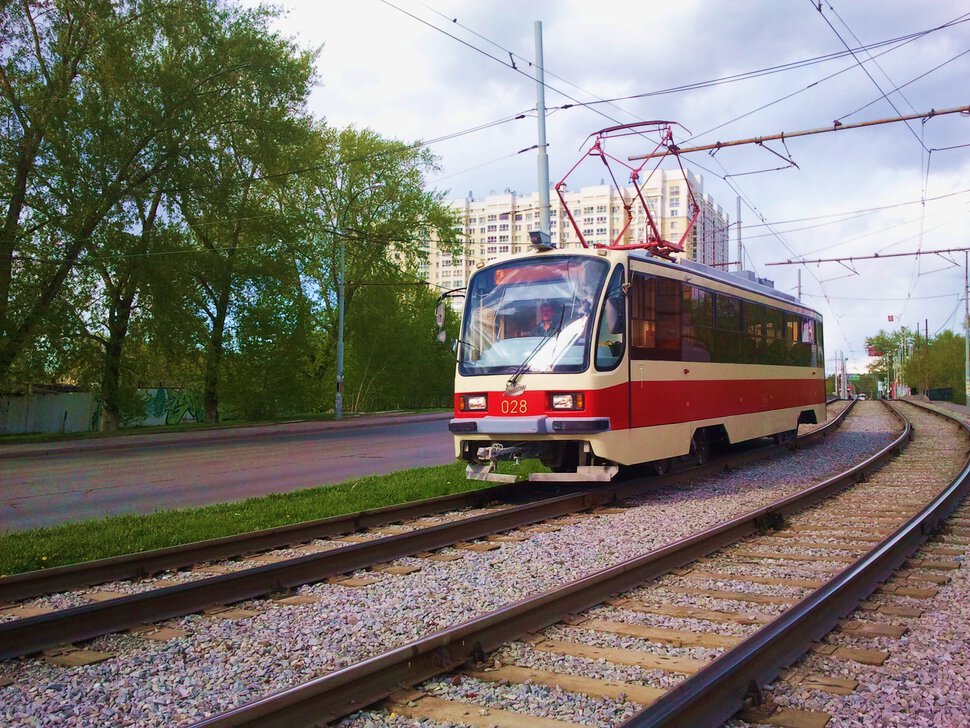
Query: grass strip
[(126, 534)]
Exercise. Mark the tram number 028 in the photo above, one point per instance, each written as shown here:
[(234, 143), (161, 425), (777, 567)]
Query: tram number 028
[(514, 407)]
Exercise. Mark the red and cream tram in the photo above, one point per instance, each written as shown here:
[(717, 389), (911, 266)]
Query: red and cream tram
[(600, 358)]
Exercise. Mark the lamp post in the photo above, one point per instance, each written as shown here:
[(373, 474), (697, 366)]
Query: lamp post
[(341, 274), (338, 409)]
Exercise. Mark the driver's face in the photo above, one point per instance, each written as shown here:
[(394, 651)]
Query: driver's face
[(545, 312)]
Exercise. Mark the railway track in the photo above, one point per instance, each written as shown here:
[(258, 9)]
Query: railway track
[(29, 629), (755, 593)]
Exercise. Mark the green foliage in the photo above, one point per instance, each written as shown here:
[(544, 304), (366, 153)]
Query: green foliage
[(117, 535), (907, 356), (394, 360), (172, 216)]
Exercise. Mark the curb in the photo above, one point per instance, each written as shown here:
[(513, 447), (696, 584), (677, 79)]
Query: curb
[(241, 433)]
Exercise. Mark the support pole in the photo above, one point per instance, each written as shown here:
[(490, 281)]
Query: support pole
[(543, 158), (966, 329), (740, 251), (339, 402)]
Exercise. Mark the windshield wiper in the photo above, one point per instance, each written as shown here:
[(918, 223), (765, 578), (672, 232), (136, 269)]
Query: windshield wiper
[(510, 386)]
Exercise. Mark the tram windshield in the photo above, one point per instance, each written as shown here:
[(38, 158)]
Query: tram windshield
[(531, 315)]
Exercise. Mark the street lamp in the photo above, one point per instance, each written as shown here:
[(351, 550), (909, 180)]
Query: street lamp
[(341, 276), (341, 273)]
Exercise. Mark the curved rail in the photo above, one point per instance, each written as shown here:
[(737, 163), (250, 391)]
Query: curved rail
[(347, 690), (718, 691), (31, 634)]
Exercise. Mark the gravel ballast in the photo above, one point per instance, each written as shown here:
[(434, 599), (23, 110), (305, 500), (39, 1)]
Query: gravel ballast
[(222, 663)]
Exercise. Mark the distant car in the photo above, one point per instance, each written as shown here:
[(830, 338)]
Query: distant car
[(862, 396)]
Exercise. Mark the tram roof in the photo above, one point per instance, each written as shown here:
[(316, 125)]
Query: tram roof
[(745, 280)]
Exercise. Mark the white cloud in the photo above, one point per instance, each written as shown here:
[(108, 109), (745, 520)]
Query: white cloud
[(384, 70)]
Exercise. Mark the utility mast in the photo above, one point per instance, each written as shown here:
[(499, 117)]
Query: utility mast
[(545, 228)]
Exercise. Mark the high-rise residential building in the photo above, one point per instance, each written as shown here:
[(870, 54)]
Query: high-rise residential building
[(498, 225)]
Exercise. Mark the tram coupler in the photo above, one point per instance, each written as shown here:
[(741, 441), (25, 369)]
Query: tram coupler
[(488, 457), (486, 471)]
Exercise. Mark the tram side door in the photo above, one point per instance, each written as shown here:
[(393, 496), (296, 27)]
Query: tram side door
[(612, 372)]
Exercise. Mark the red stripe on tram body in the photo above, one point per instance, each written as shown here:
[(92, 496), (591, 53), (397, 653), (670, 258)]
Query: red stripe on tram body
[(663, 403)]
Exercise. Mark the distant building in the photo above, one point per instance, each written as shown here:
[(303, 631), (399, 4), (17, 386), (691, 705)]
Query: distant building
[(497, 226)]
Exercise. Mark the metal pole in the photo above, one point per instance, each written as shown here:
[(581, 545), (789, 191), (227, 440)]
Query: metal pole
[(799, 284), (341, 273), (544, 210), (966, 329), (738, 223)]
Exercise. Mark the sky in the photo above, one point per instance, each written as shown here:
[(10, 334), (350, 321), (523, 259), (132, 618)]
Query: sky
[(413, 70)]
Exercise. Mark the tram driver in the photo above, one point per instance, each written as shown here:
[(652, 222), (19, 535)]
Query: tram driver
[(546, 325)]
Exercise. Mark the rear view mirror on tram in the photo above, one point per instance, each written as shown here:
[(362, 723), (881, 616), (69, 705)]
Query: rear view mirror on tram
[(614, 314)]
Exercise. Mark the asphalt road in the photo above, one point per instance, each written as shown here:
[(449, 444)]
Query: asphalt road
[(94, 480)]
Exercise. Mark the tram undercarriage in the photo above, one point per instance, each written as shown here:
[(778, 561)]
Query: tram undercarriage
[(569, 460)]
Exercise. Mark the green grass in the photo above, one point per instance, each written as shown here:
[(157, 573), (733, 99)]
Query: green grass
[(117, 535)]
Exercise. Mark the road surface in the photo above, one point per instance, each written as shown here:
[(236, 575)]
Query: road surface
[(91, 479)]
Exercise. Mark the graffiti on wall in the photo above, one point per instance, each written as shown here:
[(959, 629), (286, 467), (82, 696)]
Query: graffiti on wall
[(175, 406)]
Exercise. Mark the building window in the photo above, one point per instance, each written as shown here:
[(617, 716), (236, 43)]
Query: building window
[(492, 239), (504, 216)]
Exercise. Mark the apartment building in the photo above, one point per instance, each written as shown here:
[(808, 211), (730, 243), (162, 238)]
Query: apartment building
[(498, 225)]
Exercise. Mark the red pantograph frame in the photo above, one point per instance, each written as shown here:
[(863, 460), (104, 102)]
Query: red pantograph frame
[(653, 242)]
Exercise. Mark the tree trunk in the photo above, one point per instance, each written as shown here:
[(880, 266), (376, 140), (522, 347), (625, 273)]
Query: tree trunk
[(213, 356)]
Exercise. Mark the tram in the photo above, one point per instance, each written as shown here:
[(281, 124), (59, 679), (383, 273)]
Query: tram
[(595, 359), (625, 354)]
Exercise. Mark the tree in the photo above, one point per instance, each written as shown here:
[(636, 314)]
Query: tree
[(370, 197), (394, 359), (892, 348), (226, 199), (946, 364)]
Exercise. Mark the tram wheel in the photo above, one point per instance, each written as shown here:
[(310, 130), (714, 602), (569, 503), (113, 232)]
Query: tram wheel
[(660, 467), (700, 447)]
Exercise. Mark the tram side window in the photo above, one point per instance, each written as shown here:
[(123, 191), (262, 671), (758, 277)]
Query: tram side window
[(610, 338), (798, 345), (819, 346), (643, 315), (753, 338), (774, 336), (668, 318), (697, 336), (727, 328), (655, 318)]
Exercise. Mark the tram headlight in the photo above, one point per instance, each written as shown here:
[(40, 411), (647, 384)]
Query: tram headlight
[(474, 402), (569, 401)]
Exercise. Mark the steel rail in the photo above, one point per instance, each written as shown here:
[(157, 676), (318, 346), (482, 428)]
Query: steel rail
[(132, 566), (349, 689), (32, 634), (718, 691), (18, 587)]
